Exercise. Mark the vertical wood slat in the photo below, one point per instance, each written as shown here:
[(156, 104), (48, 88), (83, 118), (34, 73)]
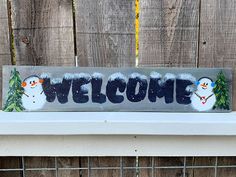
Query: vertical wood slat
[(73, 162), (200, 161), (105, 37), (39, 162), (10, 163), (146, 163), (229, 172), (105, 32), (168, 37), (105, 162), (164, 162), (168, 33), (43, 32), (43, 35), (217, 47), (5, 56)]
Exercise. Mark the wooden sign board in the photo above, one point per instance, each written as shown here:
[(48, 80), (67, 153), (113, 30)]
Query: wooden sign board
[(31, 88)]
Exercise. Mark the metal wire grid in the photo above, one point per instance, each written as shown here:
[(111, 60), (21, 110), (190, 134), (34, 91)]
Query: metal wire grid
[(137, 168)]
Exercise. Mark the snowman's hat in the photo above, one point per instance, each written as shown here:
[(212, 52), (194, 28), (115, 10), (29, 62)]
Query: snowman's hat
[(30, 77)]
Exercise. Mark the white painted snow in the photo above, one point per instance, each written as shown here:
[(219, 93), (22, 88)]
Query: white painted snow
[(56, 81), (137, 75), (117, 75), (155, 75), (69, 76), (45, 75), (186, 76), (97, 75), (82, 75)]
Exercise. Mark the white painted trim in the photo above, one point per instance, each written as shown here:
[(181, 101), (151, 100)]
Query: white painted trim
[(117, 123), (117, 146), (117, 134)]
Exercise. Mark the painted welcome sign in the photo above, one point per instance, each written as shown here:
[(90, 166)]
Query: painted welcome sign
[(116, 89)]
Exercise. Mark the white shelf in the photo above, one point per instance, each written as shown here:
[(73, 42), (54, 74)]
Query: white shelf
[(117, 134), (117, 123)]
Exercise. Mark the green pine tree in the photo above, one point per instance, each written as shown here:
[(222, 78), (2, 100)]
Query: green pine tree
[(14, 94), (221, 91)]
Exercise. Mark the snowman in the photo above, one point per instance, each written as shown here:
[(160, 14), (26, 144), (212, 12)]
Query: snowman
[(203, 99), (33, 97)]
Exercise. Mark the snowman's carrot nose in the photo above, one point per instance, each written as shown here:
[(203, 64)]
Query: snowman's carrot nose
[(204, 85), (33, 83)]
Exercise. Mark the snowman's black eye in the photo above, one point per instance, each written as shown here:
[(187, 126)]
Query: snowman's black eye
[(33, 81), (207, 84), (30, 82)]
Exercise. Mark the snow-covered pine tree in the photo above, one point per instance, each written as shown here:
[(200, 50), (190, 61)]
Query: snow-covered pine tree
[(14, 94), (221, 91)]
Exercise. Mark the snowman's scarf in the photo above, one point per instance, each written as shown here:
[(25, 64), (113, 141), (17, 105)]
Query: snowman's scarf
[(202, 97)]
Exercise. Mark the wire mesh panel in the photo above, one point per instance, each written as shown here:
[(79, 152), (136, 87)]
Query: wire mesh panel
[(117, 166)]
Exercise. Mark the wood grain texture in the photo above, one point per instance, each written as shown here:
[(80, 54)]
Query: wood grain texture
[(5, 56), (73, 162), (168, 33), (161, 162), (101, 162), (164, 162), (43, 35), (43, 32), (146, 162), (105, 32), (200, 161), (40, 162), (167, 162), (200, 172), (229, 172), (10, 163), (217, 47), (126, 163)]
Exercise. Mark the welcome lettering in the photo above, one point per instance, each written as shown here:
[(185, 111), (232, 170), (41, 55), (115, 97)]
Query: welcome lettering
[(135, 88)]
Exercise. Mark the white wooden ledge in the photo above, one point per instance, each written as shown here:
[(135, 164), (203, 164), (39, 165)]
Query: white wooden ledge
[(117, 134), (117, 123)]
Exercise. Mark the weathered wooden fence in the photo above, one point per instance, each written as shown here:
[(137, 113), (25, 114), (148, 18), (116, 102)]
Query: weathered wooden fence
[(173, 33)]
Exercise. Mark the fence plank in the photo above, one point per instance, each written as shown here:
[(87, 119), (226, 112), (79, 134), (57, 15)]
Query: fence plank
[(104, 162), (168, 37), (10, 163), (229, 172), (168, 33), (43, 35), (147, 166), (41, 163), (200, 161), (72, 162), (43, 32), (128, 162), (105, 32), (4, 40), (217, 47)]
